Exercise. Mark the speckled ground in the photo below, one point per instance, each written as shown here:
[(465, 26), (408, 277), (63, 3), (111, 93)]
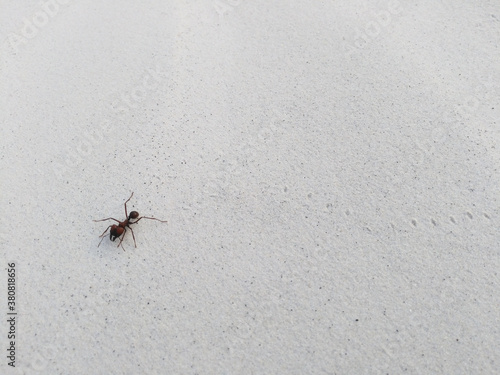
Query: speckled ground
[(329, 172)]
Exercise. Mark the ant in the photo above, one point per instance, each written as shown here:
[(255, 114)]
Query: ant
[(117, 230)]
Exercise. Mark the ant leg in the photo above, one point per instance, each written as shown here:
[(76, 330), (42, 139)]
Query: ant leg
[(121, 240), (133, 236), (100, 241), (150, 218), (103, 233), (109, 218), (126, 214)]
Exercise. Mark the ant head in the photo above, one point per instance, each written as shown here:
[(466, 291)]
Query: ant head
[(133, 215)]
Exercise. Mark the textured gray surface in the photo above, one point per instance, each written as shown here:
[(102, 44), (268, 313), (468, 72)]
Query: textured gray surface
[(329, 171)]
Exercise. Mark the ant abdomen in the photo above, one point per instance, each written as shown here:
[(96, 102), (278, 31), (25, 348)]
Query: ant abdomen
[(134, 215), (115, 232)]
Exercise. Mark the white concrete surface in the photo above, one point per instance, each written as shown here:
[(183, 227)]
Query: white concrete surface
[(329, 171)]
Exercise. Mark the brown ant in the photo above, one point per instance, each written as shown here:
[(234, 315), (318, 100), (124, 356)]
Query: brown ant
[(117, 230)]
